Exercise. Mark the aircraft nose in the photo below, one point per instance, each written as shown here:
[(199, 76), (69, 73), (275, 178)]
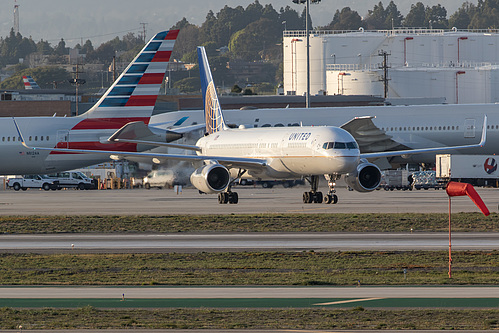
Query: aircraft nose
[(346, 164)]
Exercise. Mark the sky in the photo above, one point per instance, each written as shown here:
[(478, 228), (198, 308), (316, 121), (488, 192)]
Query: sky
[(102, 20)]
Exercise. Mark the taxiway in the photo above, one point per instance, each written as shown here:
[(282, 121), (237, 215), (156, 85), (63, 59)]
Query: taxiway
[(252, 200)]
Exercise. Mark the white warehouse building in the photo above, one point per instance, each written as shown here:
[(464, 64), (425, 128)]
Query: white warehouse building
[(461, 66)]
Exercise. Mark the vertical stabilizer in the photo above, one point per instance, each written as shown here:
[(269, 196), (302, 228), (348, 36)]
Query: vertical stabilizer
[(212, 111), (29, 83), (133, 95)]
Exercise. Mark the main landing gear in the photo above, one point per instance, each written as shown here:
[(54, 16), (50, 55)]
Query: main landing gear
[(316, 196), (228, 196)]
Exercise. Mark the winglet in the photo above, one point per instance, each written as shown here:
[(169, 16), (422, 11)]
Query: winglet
[(484, 131), (20, 134)]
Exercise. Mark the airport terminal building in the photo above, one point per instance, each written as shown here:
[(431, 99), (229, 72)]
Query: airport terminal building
[(460, 65)]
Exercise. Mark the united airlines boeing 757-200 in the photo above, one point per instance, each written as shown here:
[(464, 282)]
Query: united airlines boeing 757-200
[(224, 155), (130, 99)]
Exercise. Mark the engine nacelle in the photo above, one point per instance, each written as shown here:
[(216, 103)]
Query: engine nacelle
[(212, 178), (365, 179)]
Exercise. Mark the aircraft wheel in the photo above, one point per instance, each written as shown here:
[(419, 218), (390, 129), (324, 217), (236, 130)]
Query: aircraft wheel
[(306, 197), (223, 198), (318, 197), (335, 199), (327, 199), (233, 198)]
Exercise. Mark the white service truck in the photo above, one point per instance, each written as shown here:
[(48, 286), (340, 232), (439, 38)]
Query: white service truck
[(32, 181), (478, 170)]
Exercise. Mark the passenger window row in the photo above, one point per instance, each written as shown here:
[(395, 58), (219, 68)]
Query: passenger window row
[(14, 138)]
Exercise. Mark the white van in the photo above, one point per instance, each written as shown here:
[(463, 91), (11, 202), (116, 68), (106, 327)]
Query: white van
[(160, 179), (75, 179)]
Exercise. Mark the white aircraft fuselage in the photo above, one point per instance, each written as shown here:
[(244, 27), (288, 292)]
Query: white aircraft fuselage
[(413, 126), (60, 132), (290, 152)]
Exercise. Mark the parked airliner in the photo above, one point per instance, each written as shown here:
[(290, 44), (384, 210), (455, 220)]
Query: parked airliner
[(130, 99), (390, 127), (224, 155)]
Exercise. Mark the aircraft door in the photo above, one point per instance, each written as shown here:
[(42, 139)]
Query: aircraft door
[(62, 139), (469, 128)]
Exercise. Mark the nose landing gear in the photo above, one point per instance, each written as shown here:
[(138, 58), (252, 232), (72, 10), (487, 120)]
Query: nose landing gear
[(316, 196), (331, 197)]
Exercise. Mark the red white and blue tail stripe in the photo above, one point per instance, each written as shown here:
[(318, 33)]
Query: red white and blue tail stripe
[(133, 96), (29, 83)]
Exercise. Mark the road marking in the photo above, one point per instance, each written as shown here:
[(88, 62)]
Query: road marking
[(307, 209), (303, 331), (351, 301)]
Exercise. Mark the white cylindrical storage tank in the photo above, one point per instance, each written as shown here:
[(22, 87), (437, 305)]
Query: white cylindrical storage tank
[(354, 82)]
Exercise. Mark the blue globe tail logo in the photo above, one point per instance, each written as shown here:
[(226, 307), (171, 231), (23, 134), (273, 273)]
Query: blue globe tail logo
[(490, 165)]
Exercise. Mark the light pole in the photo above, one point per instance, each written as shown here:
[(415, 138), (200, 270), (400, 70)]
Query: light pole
[(307, 2)]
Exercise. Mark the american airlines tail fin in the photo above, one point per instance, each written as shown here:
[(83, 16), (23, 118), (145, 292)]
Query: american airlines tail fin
[(29, 83), (133, 95), (212, 111)]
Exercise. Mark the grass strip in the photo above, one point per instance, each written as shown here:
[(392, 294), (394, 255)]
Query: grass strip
[(306, 319), (403, 222), (252, 268)]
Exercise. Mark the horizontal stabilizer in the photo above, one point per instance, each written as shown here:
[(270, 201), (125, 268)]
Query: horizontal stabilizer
[(138, 131)]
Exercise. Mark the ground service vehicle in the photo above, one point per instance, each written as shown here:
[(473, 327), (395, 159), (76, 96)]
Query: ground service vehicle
[(32, 181), (75, 179), (478, 170), (161, 178)]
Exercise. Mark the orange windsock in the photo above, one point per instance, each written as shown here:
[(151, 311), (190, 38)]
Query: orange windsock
[(454, 189)]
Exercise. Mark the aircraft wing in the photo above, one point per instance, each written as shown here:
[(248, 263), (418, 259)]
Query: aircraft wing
[(369, 137), (429, 150)]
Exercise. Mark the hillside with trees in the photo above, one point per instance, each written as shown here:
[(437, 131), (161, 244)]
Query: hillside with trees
[(235, 39)]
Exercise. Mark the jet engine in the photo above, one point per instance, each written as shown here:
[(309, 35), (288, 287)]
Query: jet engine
[(365, 178), (212, 178)]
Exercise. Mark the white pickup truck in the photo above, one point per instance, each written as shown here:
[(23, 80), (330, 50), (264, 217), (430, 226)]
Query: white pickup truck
[(32, 181)]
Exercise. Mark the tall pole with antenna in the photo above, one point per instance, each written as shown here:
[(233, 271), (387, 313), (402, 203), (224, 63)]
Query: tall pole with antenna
[(144, 32), (307, 11), (16, 17)]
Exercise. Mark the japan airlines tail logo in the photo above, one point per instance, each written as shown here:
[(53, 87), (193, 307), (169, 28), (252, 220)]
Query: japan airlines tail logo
[(490, 165)]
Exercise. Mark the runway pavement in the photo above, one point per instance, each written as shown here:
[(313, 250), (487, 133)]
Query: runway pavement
[(249, 292), (216, 242), (251, 200)]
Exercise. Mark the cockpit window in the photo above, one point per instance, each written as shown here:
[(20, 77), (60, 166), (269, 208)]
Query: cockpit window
[(340, 145), (328, 145), (352, 145)]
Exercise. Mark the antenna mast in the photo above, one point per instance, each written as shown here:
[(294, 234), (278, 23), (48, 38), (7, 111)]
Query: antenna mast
[(16, 17)]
